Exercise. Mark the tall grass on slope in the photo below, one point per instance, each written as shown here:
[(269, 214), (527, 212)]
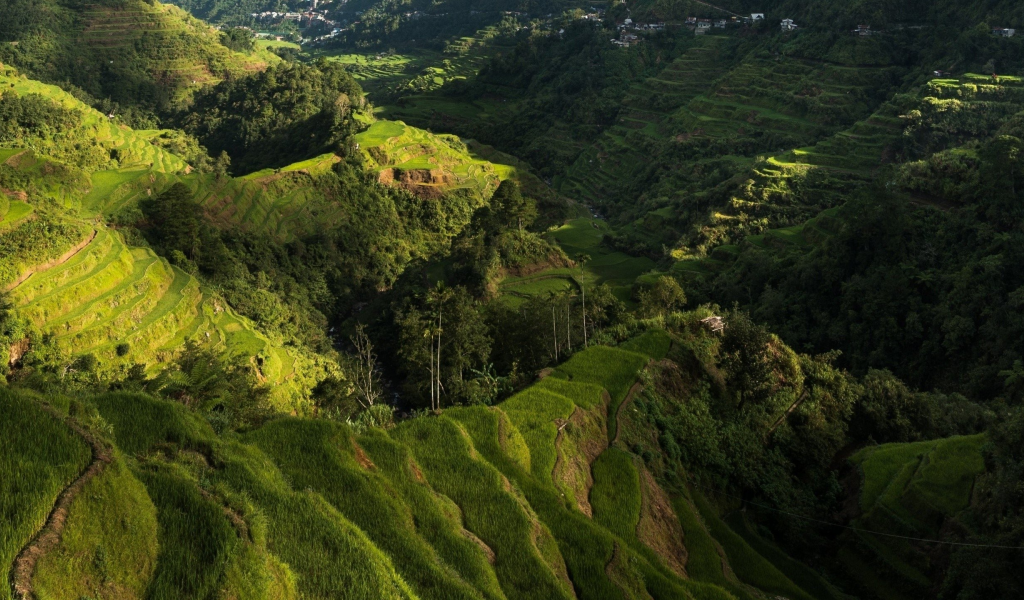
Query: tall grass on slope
[(39, 456), (196, 538), (613, 369), (109, 543), (654, 343), (437, 518), (319, 456), (330, 557), (492, 512), (589, 550)]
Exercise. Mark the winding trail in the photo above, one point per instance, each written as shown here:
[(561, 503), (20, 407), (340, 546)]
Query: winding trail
[(50, 535), (633, 391)]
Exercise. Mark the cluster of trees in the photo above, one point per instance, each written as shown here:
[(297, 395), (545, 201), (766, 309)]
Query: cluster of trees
[(286, 113)]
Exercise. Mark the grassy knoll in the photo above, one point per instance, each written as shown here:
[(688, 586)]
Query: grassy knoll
[(39, 457), (426, 163)]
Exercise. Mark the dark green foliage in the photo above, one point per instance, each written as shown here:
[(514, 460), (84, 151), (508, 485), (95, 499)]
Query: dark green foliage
[(177, 221), (284, 114), (33, 116), (664, 297), (510, 209), (442, 338), (977, 573), (238, 39), (229, 393)]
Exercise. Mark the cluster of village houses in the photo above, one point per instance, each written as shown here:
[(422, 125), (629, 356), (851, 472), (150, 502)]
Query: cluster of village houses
[(700, 26)]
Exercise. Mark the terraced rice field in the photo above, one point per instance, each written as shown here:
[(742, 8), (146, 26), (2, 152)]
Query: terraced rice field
[(606, 266), (647, 108), (181, 52), (127, 305), (133, 148), (392, 145), (910, 490), (462, 58), (17, 211)]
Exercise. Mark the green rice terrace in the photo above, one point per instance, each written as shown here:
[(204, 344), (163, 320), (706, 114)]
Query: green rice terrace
[(80, 284), (686, 310), (427, 164), (532, 498), (830, 171), (908, 490), (606, 266)]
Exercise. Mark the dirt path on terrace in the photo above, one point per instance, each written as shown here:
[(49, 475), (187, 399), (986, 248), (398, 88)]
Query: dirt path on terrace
[(53, 263), (49, 536), (633, 391)]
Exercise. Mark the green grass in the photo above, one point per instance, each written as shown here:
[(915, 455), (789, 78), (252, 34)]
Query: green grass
[(39, 456), (615, 496), (379, 133), (881, 464), (703, 562), (446, 455), (277, 44), (16, 212), (109, 540), (654, 343), (613, 369), (318, 456), (799, 573), (329, 556), (584, 395), (196, 539), (437, 518), (533, 412)]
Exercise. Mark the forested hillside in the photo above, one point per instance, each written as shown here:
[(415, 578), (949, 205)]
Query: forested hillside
[(640, 300)]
